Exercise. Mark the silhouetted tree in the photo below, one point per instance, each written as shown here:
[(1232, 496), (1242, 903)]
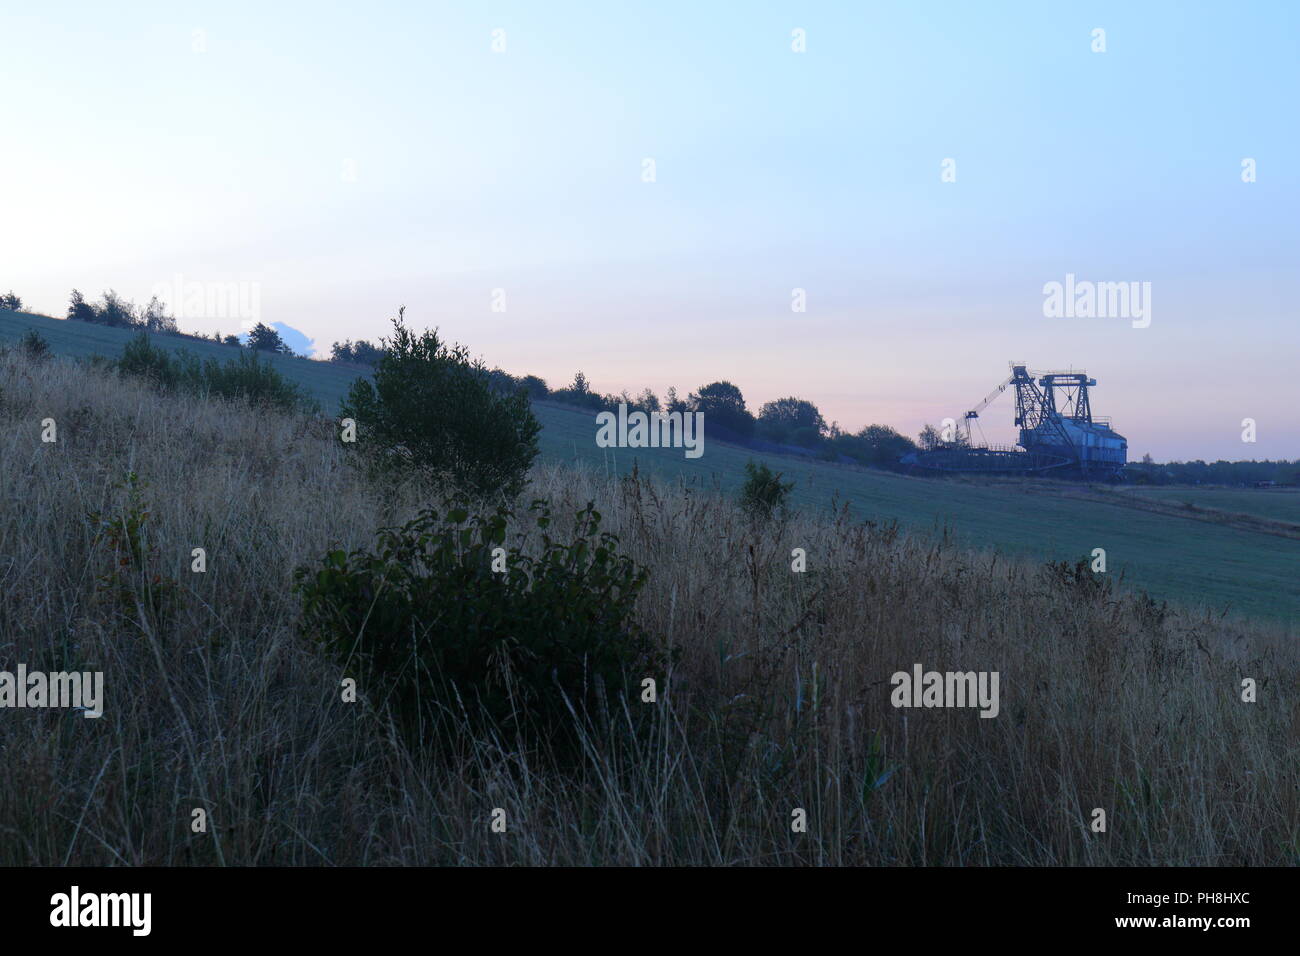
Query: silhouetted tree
[(366, 353), (156, 319), (723, 405), (79, 309), (793, 420), (535, 387), (115, 311), (263, 338), (674, 404)]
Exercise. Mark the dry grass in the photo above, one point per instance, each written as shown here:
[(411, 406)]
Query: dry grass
[(781, 699)]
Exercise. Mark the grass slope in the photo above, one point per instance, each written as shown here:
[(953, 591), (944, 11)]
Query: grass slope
[(781, 697), (1183, 559)]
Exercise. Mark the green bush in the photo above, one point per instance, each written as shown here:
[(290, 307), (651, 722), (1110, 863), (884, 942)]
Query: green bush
[(34, 346), (246, 378), (431, 413), (427, 626), (141, 360), (764, 493)]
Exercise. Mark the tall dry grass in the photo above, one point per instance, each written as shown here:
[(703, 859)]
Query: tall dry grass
[(780, 700)]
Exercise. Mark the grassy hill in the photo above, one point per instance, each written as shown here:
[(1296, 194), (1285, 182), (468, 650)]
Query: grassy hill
[(219, 692), (1197, 557)]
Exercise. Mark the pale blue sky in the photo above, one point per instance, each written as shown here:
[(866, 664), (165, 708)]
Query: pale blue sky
[(351, 158)]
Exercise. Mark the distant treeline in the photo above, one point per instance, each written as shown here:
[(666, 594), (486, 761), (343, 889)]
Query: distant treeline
[(117, 312), (1248, 473), (788, 425)]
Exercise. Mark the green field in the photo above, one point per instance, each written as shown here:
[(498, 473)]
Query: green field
[(1183, 559), (1279, 504)]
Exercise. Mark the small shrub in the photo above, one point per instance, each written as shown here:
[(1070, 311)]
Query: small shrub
[(34, 346), (764, 493), (1078, 579), (250, 378), (246, 378), (425, 624), (133, 584), (141, 360), (431, 413)]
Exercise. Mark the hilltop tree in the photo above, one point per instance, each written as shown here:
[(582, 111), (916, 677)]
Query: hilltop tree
[(579, 393), (535, 387), (155, 318), (263, 338), (115, 311), (873, 445), (361, 352), (793, 420), (11, 302), (723, 405), (79, 309)]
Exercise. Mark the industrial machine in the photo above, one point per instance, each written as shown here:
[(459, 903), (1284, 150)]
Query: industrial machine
[(1058, 433)]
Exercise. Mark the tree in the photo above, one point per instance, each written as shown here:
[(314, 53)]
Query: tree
[(263, 338), (793, 420), (156, 319), (723, 405), (647, 401), (366, 353), (430, 413), (359, 353), (502, 381), (11, 302), (116, 311), (882, 445), (580, 394), (79, 309), (535, 387)]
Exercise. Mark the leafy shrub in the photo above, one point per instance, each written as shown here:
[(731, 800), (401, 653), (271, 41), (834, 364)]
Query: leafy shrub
[(764, 493), (246, 378), (141, 360), (133, 584), (34, 346), (1078, 579), (432, 413), (425, 624)]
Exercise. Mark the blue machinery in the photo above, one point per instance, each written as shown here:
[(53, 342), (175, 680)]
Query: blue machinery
[(1058, 433)]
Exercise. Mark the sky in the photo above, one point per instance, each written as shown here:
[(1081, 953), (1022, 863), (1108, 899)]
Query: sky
[(636, 190)]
